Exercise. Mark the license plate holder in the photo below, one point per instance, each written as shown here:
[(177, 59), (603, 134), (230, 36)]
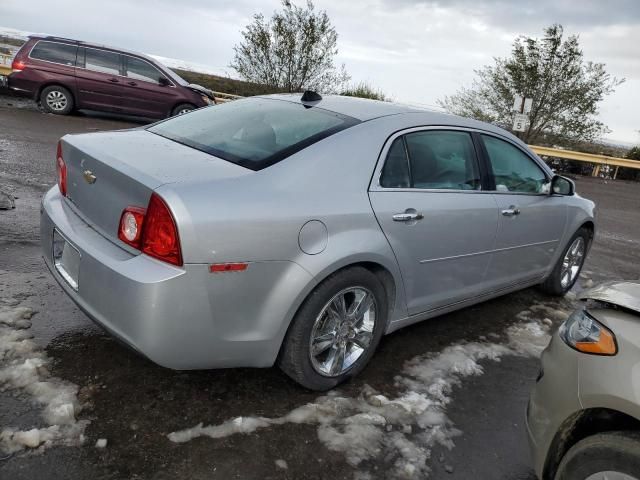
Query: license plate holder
[(66, 259)]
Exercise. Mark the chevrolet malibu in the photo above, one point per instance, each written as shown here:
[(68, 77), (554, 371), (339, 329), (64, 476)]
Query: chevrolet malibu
[(299, 230)]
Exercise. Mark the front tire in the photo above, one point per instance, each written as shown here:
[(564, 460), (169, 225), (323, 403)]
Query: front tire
[(336, 330), (57, 100), (569, 265), (182, 109), (612, 455)]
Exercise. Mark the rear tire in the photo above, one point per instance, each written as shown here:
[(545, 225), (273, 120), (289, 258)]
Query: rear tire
[(182, 109), (350, 342), (569, 265), (57, 100), (617, 452)]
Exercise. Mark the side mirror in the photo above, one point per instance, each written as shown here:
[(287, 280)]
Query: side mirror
[(163, 82), (562, 186)]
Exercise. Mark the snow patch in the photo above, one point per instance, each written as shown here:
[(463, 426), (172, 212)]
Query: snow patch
[(24, 369), (404, 427)]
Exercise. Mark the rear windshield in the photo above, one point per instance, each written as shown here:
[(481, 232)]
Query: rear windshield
[(254, 132)]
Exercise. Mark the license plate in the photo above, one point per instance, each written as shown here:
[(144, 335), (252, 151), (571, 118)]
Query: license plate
[(66, 259)]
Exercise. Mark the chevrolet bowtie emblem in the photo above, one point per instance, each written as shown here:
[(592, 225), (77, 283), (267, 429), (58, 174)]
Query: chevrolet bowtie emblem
[(89, 176)]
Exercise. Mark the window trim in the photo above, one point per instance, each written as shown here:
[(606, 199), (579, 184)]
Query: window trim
[(382, 159), (49, 61), (489, 167)]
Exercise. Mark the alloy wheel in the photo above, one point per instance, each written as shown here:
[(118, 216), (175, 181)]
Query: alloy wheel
[(56, 100), (611, 475), (572, 262), (343, 331)]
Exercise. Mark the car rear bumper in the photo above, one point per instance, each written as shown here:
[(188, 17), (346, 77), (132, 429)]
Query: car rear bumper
[(179, 317), (553, 400)]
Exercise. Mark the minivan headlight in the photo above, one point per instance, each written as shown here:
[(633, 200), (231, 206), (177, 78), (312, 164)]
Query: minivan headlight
[(584, 333), (207, 100)]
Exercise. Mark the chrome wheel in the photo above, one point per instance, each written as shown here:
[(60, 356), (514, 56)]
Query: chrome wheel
[(56, 100), (610, 475), (343, 331), (572, 262), (182, 111)]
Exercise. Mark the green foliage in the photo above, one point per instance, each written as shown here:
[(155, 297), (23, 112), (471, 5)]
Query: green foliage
[(293, 51), (634, 153), (227, 85), (565, 89), (364, 90), (16, 42)]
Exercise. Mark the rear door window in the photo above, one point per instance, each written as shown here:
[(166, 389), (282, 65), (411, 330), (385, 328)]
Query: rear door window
[(141, 70), (102, 61), (54, 52), (254, 132)]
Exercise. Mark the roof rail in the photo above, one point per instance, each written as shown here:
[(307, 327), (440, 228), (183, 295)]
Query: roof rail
[(51, 37)]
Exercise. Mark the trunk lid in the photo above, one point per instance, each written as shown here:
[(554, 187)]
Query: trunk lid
[(109, 171)]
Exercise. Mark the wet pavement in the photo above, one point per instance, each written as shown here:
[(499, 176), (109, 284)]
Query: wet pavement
[(134, 404)]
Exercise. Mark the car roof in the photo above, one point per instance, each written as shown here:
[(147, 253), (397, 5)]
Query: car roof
[(364, 109), (93, 45)]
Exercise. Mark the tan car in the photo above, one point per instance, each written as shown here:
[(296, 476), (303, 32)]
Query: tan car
[(584, 413)]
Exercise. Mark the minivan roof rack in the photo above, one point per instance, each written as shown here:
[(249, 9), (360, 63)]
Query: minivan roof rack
[(51, 37)]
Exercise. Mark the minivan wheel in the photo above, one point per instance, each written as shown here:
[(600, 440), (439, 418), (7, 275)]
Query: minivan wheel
[(56, 99), (336, 330), (569, 265), (182, 109), (606, 456)]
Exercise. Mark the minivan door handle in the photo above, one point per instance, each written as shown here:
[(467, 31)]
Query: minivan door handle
[(133, 84), (114, 80), (407, 217), (511, 211)]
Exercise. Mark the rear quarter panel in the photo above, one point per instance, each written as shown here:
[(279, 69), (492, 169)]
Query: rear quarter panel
[(258, 217)]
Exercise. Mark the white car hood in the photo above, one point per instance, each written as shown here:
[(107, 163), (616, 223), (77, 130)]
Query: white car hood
[(624, 294)]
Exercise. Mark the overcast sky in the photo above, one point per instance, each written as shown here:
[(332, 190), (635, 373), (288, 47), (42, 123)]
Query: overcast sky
[(416, 51)]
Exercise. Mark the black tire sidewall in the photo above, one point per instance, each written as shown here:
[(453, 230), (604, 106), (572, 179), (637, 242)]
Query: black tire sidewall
[(70, 102), (615, 451), (552, 284), (294, 358), (182, 106)]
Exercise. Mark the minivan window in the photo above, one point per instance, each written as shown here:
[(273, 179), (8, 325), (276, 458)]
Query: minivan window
[(55, 52), (513, 170), (442, 159), (102, 61), (254, 132), (141, 70)]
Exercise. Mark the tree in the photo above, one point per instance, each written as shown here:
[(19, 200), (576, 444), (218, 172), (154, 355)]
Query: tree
[(364, 90), (633, 153), (565, 89), (292, 51)]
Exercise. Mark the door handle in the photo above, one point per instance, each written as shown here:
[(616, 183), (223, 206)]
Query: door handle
[(133, 84), (407, 217), (511, 211), (114, 80)]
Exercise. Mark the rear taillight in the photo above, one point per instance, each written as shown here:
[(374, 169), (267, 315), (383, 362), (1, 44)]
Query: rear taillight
[(17, 65), (131, 223), (152, 230), (61, 170)]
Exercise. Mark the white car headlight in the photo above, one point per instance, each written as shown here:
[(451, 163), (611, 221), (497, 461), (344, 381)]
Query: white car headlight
[(584, 333)]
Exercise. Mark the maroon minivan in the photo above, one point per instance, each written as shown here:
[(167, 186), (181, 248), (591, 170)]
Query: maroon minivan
[(64, 75)]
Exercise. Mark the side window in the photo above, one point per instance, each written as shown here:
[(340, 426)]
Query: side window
[(55, 52), (395, 173), (513, 170), (442, 159), (102, 61), (141, 70)]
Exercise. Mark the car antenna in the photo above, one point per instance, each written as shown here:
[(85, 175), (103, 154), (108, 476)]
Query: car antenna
[(311, 96)]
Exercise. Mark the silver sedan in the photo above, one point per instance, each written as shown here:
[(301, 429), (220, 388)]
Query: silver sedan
[(298, 231)]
